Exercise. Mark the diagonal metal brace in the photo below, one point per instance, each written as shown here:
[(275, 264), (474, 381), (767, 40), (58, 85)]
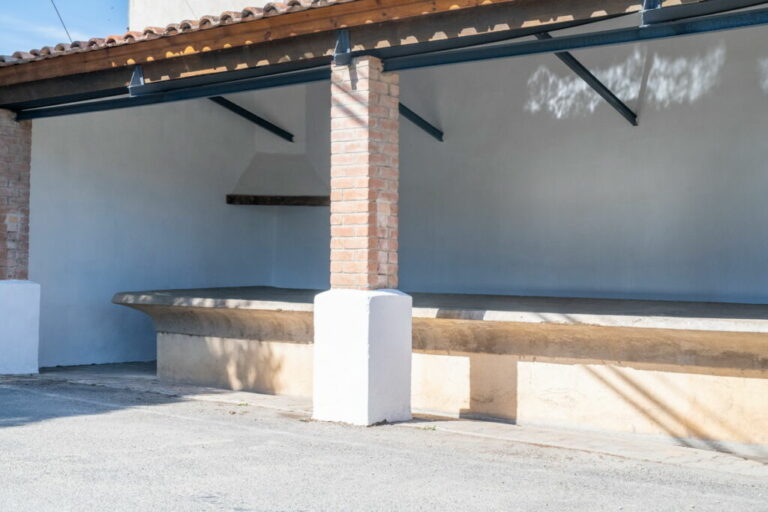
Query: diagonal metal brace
[(247, 114), (586, 75), (419, 121)]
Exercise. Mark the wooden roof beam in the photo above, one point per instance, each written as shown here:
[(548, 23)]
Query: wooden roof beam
[(363, 13)]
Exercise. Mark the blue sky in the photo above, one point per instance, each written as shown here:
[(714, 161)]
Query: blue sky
[(26, 24)]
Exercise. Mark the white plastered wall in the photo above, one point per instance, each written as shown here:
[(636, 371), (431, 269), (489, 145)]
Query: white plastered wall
[(130, 200), (539, 188), (300, 243), (135, 199)]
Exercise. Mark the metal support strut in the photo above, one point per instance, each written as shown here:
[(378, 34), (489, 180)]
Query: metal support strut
[(419, 121), (247, 114), (591, 80)]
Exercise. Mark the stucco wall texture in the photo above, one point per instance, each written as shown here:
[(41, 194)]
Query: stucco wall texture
[(541, 189), (135, 199), (538, 189)]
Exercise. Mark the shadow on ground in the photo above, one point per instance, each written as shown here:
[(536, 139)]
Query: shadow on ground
[(31, 398)]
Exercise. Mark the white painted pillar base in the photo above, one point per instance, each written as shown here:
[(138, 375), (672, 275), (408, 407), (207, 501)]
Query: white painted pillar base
[(19, 327), (362, 356)]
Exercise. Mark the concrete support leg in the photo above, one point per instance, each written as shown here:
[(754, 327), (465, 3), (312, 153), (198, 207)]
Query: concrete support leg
[(19, 300), (19, 327), (362, 356), (362, 369)]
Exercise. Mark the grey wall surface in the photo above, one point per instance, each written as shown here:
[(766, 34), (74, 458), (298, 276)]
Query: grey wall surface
[(538, 189), (132, 200), (302, 234), (541, 188), (135, 199)]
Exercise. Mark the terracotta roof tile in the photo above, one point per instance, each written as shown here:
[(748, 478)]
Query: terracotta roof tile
[(153, 32), (132, 37), (113, 40), (275, 8), (206, 22), (172, 29), (228, 17), (189, 25), (251, 13), (22, 56)]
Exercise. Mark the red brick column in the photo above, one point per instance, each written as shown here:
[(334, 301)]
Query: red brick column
[(15, 152), (364, 175)]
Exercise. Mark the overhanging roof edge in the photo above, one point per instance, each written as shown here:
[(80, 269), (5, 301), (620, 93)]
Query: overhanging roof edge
[(425, 58)]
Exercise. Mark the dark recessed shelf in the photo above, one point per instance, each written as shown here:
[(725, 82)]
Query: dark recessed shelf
[(278, 200)]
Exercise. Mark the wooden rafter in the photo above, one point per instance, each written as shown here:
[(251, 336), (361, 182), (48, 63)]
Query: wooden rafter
[(362, 13)]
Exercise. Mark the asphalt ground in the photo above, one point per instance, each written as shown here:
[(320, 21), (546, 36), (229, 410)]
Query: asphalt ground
[(71, 446)]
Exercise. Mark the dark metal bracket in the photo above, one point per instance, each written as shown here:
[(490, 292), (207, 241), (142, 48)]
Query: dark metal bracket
[(646, 14), (137, 78), (247, 114), (342, 53), (420, 122), (586, 75)]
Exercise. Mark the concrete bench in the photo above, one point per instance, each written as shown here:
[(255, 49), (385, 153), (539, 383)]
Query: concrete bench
[(691, 334), (650, 366)]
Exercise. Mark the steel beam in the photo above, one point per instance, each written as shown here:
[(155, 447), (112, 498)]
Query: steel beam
[(66, 98), (591, 80), (590, 40), (239, 79), (247, 114), (420, 122), (679, 12), (217, 85), (205, 91), (152, 88), (229, 76)]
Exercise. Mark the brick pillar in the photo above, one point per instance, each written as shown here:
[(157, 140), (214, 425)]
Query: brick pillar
[(362, 350), (364, 175), (15, 151)]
